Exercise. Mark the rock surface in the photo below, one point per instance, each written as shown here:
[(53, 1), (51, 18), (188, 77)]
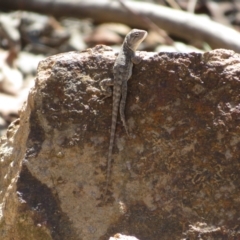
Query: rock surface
[(175, 177)]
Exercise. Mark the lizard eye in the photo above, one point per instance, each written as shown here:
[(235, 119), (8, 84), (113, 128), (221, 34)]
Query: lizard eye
[(136, 35)]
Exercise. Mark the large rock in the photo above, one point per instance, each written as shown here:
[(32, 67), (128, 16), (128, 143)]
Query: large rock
[(175, 177)]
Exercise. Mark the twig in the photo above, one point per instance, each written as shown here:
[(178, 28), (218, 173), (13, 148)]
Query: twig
[(191, 6), (173, 4)]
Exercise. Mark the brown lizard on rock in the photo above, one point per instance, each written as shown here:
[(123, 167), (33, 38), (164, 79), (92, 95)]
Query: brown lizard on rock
[(122, 71)]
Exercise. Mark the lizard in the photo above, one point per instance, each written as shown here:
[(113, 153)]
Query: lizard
[(122, 71)]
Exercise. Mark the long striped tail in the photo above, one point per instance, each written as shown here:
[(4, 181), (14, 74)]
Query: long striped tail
[(116, 100)]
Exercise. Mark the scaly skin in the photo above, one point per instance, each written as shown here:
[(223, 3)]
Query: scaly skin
[(122, 71)]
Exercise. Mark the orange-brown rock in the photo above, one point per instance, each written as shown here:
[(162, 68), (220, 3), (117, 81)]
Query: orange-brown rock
[(175, 177)]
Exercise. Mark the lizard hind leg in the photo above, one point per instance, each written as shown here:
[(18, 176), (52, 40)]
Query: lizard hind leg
[(122, 106), (106, 87)]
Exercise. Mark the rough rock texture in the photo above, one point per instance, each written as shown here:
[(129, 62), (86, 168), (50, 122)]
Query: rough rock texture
[(176, 176)]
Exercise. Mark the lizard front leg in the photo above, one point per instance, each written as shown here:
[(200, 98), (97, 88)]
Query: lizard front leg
[(136, 59), (105, 85)]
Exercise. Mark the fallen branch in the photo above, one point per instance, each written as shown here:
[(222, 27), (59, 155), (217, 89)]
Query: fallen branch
[(179, 23)]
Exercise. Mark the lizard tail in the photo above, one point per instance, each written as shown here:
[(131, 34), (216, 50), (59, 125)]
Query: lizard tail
[(116, 101)]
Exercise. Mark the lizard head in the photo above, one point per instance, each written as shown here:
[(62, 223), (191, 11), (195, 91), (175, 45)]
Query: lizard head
[(135, 37)]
